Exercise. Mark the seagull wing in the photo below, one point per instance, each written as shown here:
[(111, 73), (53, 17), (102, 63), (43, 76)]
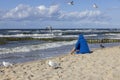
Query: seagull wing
[(95, 6)]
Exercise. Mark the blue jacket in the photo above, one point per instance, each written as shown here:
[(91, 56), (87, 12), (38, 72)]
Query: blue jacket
[(81, 46)]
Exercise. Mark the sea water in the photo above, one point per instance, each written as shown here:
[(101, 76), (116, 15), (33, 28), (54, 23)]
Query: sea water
[(23, 51)]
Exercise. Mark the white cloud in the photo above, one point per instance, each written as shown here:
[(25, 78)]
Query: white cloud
[(85, 15), (26, 12), (42, 10), (21, 11), (54, 11), (48, 13)]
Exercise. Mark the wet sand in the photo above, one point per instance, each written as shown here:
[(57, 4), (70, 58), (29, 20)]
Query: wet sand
[(102, 64)]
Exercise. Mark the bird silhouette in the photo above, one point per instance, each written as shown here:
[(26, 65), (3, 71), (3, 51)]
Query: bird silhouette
[(95, 6), (71, 3), (102, 46)]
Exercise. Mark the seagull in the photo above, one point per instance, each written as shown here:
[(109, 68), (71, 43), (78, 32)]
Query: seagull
[(54, 65), (6, 64), (71, 3), (102, 46), (95, 6)]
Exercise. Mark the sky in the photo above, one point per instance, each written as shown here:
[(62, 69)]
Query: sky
[(32, 14)]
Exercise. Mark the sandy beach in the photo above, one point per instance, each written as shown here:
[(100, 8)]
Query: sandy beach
[(102, 64)]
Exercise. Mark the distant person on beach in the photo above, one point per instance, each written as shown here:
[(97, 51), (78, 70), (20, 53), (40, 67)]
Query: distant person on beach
[(81, 46)]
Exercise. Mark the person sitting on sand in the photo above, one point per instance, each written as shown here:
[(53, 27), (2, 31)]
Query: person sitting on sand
[(81, 46)]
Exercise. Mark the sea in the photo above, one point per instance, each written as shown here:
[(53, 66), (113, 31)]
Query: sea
[(30, 50)]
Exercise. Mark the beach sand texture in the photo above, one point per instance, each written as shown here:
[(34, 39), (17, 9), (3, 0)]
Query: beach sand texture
[(102, 64)]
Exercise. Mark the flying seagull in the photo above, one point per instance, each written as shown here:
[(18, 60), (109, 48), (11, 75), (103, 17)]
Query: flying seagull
[(95, 6), (71, 3)]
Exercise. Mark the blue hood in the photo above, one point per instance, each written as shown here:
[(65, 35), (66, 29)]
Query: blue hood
[(81, 45), (81, 36)]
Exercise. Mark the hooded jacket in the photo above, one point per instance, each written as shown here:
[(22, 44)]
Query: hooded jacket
[(81, 46)]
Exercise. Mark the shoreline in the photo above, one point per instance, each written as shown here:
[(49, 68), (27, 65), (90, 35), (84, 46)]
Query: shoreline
[(102, 64), (49, 53)]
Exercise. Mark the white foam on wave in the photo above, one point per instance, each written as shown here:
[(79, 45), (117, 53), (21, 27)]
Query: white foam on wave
[(91, 35), (112, 34), (14, 31), (29, 48), (75, 36), (28, 35), (69, 36)]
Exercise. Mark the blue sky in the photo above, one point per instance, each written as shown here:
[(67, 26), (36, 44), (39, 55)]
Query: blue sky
[(57, 13)]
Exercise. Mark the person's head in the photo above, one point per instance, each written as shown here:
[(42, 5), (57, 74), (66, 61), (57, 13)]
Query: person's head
[(81, 36)]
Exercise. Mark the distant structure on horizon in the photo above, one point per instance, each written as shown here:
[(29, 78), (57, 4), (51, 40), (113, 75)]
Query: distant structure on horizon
[(49, 28)]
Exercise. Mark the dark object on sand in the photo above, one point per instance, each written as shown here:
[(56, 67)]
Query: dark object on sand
[(102, 46)]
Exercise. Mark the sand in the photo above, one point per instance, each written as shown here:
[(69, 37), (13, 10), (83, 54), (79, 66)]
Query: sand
[(102, 64)]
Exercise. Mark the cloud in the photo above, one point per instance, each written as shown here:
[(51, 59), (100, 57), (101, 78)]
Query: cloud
[(20, 12), (28, 13), (85, 15)]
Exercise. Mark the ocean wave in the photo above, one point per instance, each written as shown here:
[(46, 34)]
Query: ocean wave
[(112, 34), (28, 35), (14, 31), (91, 35), (28, 48)]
